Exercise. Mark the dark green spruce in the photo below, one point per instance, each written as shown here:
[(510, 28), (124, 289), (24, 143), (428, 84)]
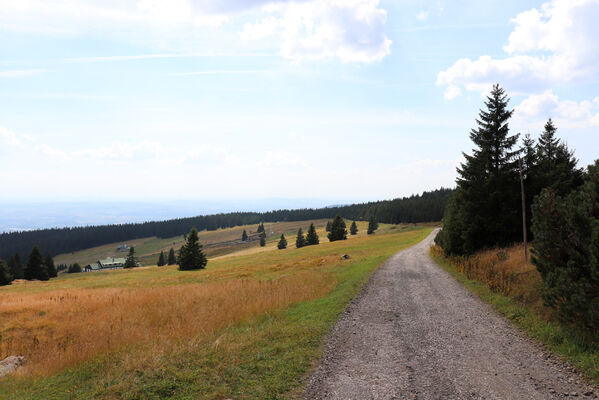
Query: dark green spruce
[(282, 242), (353, 229), (172, 258), (35, 268), (16, 267), (131, 260), (485, 210), (300, 241), (338, 231), (191, 253), (312, 236), (262, 239), (372, 226), (49, 263), (161, 259), (5, 275), (566, 250)]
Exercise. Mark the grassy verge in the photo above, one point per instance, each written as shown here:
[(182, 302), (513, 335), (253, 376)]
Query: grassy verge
[(580, 350), (265, 356)]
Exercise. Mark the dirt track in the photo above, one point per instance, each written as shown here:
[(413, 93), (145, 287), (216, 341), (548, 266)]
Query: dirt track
[(415, 333)]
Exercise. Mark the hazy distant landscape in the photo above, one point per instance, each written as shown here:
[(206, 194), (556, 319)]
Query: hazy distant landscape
[(28, 215)]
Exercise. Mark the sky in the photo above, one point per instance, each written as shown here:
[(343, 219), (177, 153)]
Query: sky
[(206, 100)]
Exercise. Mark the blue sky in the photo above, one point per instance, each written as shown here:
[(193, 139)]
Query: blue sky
[(337, 100)]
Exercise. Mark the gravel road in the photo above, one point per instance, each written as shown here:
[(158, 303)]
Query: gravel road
[(416, 333)]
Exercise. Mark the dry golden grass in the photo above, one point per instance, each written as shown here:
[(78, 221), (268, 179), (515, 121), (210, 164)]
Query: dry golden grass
[(503, 271), (57, 329)]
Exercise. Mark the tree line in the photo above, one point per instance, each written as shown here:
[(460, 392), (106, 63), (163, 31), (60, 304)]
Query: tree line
[(560, 201), (427, 207)]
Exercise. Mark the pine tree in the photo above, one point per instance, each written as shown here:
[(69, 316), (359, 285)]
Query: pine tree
[(312, 236), (172, 259), (191, 254), (486, 208), (338, 231), (74, 268), (244, 236), (260, 228), (262, 239), (328, 227), (5, 275), (372, 226), (300, 241), (161, 259), (282, 243), (566, 250), (16, 267), (49, 263), (35, 268), (131, 261), (353, 229)]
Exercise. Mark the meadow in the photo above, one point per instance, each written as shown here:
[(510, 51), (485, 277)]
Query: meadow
[(249, 326), (216, 243)]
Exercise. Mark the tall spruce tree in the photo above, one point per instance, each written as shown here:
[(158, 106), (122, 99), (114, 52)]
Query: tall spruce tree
[(5, 275), (300, 241), (16, 267), (49, 263), (353, 229), (131, 261), (338, 231), (260, 227), (312, 236), (161, 259), (35, 268), (486, 208), (282, 243), (244, 236), (372, 226), (191, 254), (172, 258), (557, 166)]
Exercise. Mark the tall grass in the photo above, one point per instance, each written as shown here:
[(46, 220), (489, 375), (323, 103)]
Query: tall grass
[(503, 270), (58, 329)]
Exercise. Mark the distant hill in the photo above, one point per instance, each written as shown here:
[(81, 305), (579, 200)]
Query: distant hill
[(427, 207)]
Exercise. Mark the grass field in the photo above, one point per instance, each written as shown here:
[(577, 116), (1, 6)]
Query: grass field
[(249, 326), (216, 243), (513, 287)]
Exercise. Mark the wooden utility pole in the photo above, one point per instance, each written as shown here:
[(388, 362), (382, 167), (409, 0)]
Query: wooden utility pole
[(523, 211)]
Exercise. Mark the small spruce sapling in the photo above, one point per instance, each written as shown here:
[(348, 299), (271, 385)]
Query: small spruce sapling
[(282, 243), (353, 229)]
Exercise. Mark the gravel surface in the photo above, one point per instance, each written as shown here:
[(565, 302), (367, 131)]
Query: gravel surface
[(416, 333)]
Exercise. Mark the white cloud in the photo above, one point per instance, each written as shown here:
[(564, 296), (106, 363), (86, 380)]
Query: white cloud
[(535, 110), (422, 15), (551, 46), (20, 73), (350, 31), (452, 92), (9, 138)]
